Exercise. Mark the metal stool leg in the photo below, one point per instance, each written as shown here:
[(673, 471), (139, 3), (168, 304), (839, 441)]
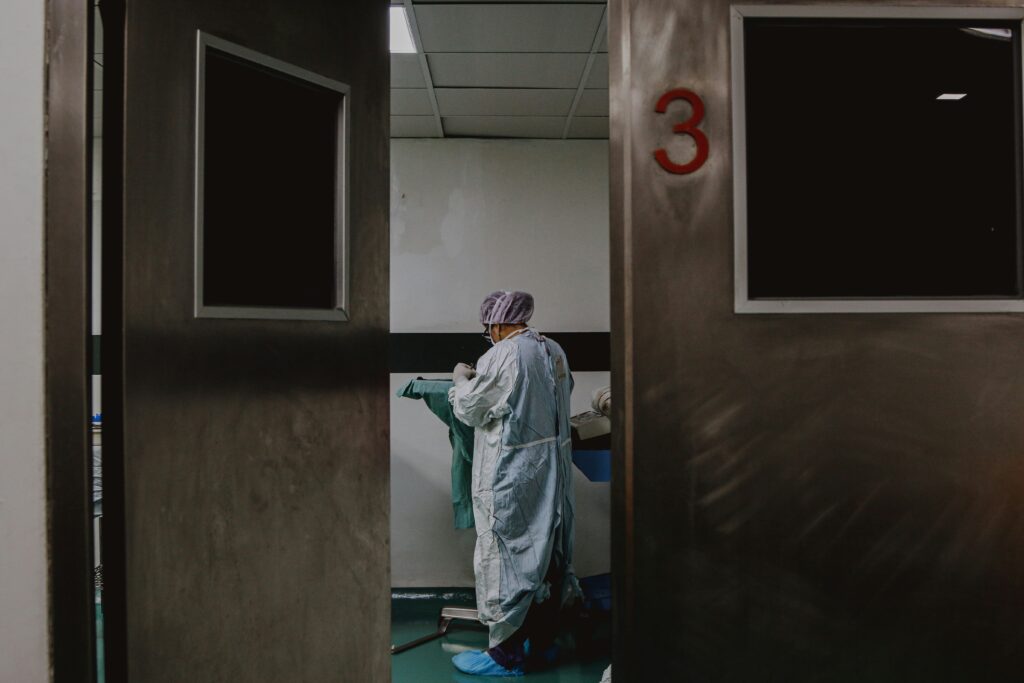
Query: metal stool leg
[(448, 614)]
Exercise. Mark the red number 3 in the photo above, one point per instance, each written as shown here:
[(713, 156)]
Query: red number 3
[(688, 127)]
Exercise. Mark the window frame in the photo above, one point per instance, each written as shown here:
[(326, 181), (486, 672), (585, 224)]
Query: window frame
[(742, 301), (340, 312)]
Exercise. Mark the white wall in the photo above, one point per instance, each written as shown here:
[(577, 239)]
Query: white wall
[(469, 217), (472, 216), (24, 654)]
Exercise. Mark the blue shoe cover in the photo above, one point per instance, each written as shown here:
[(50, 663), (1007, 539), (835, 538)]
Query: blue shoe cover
[(481, 664)]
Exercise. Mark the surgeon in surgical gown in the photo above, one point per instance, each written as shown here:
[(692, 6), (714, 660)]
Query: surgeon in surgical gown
[(517, 399)]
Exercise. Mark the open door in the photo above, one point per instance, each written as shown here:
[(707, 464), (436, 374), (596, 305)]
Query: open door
[(245, 376)]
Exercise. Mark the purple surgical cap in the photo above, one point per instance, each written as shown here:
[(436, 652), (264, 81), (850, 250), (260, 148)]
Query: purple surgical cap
[(506, 308)]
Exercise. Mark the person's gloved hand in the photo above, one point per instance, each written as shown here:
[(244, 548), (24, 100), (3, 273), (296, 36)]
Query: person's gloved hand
[(602, 401), (463, 373)]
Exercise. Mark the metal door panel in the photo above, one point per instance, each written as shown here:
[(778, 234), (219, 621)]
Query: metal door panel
[(797, 498), (255, 452)]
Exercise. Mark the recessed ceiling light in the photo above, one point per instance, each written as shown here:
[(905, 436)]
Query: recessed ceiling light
[(952, 96), (401, 36)]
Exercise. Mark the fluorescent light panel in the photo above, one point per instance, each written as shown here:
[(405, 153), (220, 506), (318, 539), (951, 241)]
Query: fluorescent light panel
[(401, 36), (952, 96)]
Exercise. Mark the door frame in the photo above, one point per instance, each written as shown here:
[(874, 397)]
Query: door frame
[(68, 209)]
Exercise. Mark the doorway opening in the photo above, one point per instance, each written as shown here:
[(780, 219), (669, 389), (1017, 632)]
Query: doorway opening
[(499, 181), (99, 526)]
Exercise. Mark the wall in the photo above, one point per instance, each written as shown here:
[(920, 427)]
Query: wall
[(475, 215), (23, 567), (469, 217), (801, 497)]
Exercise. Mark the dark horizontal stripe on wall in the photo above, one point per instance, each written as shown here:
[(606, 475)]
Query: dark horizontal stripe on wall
[(430, 352), (94, 346), (438, 353)]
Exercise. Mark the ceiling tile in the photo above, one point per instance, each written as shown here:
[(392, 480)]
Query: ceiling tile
[(593, 103), (589, 127), (604, 43), (410, 102), (508, 28), (414, 127), (502, 2), (598, 72), (504, 126), (406, 72), (506, 69), (503, 102)]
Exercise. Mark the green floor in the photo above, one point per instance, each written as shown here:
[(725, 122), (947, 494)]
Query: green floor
[(100, 669), (412, 617), (432, 662)]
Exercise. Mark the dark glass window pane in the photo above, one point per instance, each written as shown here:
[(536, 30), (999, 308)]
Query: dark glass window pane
[(861, 182), (269, 173)]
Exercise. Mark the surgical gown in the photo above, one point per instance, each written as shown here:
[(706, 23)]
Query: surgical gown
[(522, 478), (435, 394)]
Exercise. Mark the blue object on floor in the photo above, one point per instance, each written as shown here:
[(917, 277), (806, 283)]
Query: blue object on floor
[(481, 664), (595, 465), (597, 593), (548, 657)]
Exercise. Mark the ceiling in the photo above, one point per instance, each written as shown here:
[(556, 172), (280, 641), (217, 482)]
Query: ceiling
[(97, 81), (493, 69), (502, 69)]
